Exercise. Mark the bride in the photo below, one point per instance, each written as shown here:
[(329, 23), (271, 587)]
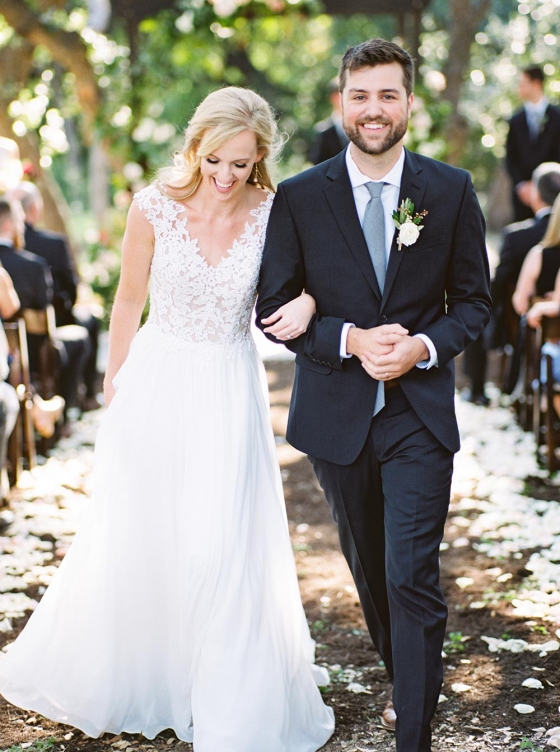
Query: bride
[(177, 605)]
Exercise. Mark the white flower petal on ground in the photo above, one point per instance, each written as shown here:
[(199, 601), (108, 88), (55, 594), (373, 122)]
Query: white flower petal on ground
[(358, 689), (504, 577), (554, 737), (464, 582), (442, 698), (524, 709), (458, 687), (520, 646), (533, 684), (461, 543)]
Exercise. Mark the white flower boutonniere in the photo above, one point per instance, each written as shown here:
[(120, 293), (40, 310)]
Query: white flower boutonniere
[(407, 223)]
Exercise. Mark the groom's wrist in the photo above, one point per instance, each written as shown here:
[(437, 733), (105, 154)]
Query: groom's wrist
[(353, 336), (343, 352)]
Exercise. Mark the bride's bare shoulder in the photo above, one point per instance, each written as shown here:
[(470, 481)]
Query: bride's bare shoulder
[(259, 196)]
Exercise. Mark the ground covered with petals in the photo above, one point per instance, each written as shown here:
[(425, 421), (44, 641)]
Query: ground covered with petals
[(500, 571)]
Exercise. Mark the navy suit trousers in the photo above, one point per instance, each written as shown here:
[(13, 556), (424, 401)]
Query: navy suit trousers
[(390, 506)]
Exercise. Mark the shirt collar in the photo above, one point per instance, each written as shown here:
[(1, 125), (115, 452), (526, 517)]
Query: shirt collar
[(357, 178), (538, 107), (6, 241), (543, 212)]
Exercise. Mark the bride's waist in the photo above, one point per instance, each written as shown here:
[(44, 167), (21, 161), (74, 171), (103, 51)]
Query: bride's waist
[(199, 342)]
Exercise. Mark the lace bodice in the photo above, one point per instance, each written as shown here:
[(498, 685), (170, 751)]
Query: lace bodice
[(190, 300)]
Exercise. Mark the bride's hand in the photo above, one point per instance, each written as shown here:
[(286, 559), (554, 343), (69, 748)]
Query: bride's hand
[(291, 320)]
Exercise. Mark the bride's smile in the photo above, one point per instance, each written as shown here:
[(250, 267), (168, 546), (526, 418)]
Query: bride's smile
[(227, 169)]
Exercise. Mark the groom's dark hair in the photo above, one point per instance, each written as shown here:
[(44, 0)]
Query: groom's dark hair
[(377, 52)]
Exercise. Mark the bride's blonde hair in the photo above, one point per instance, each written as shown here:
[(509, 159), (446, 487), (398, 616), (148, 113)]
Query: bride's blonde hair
[(222, 115)]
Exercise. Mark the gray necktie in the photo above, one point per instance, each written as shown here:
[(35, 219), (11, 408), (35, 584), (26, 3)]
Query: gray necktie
[(374, 233), (533, 121)]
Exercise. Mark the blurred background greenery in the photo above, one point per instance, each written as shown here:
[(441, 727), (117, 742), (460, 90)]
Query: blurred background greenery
[(97, 94)]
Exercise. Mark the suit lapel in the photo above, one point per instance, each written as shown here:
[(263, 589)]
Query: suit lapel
[(545, 120), (413, 187), (340, 196)]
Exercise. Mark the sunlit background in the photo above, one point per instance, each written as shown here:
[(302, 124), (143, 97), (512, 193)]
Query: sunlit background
[(97, 94)]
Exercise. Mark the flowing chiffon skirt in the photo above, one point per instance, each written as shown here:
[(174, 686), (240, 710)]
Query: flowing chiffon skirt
[(177, 605)]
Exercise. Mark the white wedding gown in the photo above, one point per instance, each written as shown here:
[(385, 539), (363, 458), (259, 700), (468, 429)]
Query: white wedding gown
[(177, 605)]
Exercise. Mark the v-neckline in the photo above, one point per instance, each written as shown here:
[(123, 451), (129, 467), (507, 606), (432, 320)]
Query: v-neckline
[(229, 253)]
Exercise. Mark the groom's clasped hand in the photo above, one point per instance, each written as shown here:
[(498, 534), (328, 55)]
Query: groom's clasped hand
[(386, 351)]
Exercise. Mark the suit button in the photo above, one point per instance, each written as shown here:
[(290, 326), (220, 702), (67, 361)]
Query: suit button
[(383, 319)]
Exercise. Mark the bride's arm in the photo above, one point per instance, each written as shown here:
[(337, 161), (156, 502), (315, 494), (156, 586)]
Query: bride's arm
[(292, 319), (137, 252)]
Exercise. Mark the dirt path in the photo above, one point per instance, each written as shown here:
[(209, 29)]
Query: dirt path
[(490, 593)]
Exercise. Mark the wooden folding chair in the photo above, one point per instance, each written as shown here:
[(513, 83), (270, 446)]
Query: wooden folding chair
[(42, 325), (544, 414), (529, 365), (509, 360), (21, 444)]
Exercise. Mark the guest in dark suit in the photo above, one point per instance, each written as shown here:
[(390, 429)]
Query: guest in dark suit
[(53, 247), (540, 268), (33, 283), (518, 239), (373, 397), (533, 138), (30, 273), (330, 136)]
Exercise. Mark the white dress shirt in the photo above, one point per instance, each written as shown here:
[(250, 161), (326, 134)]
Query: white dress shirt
[(535, 112), (390, 201), (543, 212)]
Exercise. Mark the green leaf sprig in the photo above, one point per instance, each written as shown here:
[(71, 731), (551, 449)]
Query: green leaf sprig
[(406, 214)]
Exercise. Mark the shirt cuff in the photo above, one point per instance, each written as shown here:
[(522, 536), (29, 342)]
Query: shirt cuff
[(433, 360), (343, 338)]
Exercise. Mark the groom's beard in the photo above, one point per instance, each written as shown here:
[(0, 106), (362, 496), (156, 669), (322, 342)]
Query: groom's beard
[(395, 133)]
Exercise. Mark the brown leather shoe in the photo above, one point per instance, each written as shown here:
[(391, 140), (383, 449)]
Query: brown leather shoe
[(389, 717)]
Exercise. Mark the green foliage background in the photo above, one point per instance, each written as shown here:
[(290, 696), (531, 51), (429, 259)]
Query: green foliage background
[(288, 50)]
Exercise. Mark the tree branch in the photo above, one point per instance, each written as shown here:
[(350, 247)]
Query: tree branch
[(66, 47)]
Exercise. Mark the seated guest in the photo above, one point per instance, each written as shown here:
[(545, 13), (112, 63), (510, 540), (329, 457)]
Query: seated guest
[(518, 239), (541, 266), (53, 247), (9, 403), (548, 308), (45, 413), (29, 273), (33, 283)]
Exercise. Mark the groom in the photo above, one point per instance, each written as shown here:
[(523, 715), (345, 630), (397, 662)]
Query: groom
[(372, 401)]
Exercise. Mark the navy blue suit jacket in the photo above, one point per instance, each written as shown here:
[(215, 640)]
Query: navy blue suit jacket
[(30, 274), (439, 286), (523, 154), (53, 247)]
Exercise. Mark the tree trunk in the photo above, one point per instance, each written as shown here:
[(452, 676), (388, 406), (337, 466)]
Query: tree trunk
[(466, 17), (66, 47), (99, 198), (16, 61)]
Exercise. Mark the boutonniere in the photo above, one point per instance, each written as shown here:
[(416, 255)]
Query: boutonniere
[(408, 223)]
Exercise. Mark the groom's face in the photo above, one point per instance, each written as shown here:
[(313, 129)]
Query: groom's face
[(376, 107)]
